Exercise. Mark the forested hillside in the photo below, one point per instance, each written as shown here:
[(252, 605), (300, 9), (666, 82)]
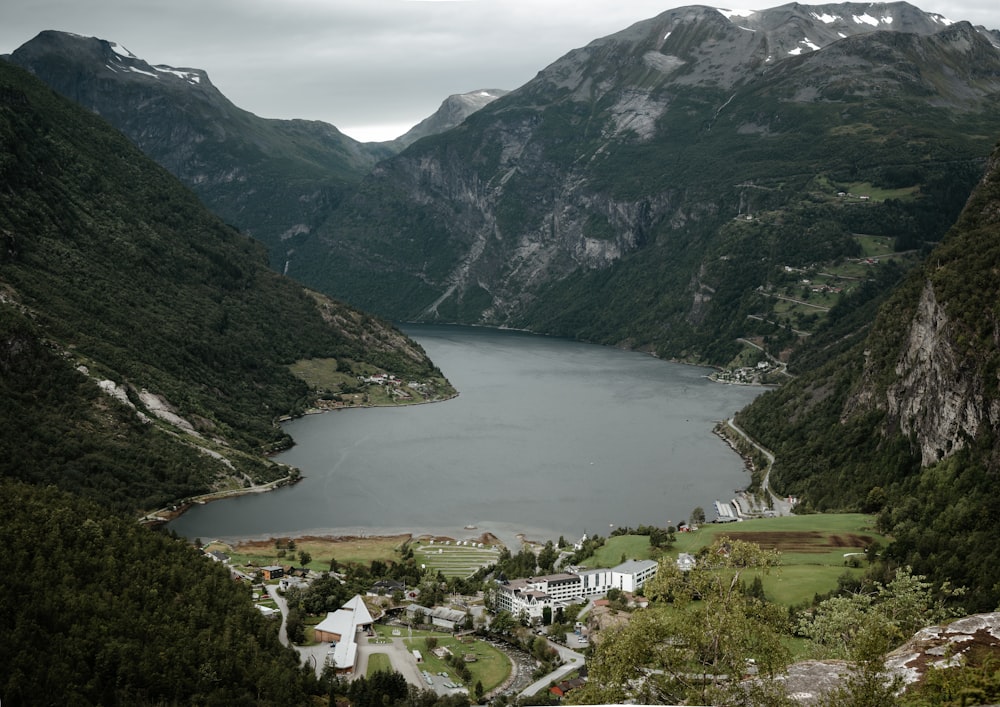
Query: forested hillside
[(902, 419), (97, 610), (145, 345)]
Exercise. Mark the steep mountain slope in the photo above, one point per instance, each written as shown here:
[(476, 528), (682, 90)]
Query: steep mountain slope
[(649, 189), (271, 178), (144, 345), (453, 110), (904, 423)]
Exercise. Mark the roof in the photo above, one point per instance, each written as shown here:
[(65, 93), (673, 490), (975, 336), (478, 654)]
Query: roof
[(340, 622), (634, 566), (345, 654), (361, 613), (345, 621)]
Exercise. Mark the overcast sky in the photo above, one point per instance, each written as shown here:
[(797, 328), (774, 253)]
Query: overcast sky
[(373, 68)]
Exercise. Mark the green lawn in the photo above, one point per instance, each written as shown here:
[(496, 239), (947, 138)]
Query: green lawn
[(633, 547), (379, 661), (815, 550), (491, 666)]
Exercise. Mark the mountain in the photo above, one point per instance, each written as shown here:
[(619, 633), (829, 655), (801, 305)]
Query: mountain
[(454, 109), (273, 179), (669, 187), (903, 421), (145, 346)]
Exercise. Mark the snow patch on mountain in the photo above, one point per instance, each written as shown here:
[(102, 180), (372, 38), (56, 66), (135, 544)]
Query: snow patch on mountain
[(730, 14)]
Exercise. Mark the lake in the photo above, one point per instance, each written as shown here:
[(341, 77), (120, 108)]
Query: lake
[(547, 437)]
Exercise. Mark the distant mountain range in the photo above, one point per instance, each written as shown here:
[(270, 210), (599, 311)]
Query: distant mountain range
[(704, 185), (273, 179), (659, 188), (453, 110)]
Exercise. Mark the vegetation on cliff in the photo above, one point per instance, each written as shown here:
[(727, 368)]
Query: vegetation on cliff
[(845, 438), (111, 271)]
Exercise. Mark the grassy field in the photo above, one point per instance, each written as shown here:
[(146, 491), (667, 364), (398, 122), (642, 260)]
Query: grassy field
[(815, 550), (452, 559), (491, 666), (358, 550), (377, 662), (448, 556), (633, 547)]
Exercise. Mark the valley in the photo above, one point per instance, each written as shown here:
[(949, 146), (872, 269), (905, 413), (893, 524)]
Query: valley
[(801, 200)]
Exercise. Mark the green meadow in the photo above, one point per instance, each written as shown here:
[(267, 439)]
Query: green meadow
[(815, 550)]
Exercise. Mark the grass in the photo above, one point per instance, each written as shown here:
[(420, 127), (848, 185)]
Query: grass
[(880, 194), (633, 547), (491, 666), (346, 550), (322, 374), (815, 550), (454, 560), (872, 246), (377, 662)]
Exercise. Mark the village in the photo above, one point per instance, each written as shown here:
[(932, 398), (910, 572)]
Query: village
[(453, 643)]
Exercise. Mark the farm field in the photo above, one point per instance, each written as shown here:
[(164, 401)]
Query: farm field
[(815, 550), (276, 551)]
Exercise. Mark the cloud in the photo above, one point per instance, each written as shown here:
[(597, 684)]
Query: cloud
[(355, 62)]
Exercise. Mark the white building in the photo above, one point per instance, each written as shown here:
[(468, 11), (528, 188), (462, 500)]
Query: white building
[(443, 617), (631, 575), (341, 628), (530, 596)]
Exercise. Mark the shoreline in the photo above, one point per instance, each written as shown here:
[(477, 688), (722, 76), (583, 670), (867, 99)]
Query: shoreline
[(175, 510), (512, 537)]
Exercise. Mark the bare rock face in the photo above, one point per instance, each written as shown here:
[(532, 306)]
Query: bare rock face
[(945, 646), (933, 397), (808, 681)]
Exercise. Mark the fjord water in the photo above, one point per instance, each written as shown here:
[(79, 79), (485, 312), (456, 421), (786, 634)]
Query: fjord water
[(548, 437)]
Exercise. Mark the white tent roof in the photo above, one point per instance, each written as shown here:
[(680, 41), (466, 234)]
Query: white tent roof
[(362, 617)]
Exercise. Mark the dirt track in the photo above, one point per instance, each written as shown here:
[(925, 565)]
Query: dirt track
[(803, 540)]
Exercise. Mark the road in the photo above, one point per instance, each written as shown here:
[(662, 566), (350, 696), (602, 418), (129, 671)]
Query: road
[(780, 506), (572, 661)]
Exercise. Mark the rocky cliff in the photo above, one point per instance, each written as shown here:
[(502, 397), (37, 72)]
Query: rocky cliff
[(941, 389)]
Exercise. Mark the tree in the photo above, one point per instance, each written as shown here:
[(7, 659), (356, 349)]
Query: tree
[(864, 626), (697, 516), (546, 615), (547, 557), (295, 627), (304, 558), (699, 635), (503, 622)]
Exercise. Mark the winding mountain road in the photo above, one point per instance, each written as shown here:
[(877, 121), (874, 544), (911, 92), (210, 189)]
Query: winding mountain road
[(779, 504)]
